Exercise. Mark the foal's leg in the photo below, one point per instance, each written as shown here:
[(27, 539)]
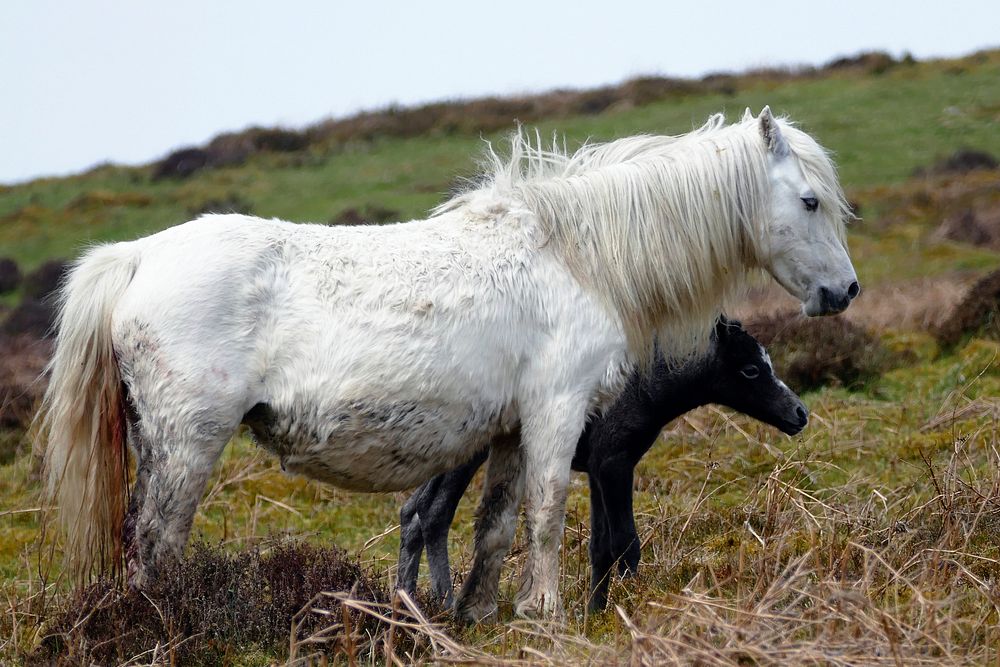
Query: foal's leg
[(550, 437), (601, 560), (411, 539), (615, 479), (436, 515), (495, 524), (425, 520)]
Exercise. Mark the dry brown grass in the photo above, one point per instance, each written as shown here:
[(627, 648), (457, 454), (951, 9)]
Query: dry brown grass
[(788, 571), (977, 314), (831, 577), (919, 304)]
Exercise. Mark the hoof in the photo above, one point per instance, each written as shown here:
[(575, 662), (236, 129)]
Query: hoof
[(539, 605), (474, 613)]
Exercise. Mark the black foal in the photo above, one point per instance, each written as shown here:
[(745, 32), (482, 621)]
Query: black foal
[(735, 372)]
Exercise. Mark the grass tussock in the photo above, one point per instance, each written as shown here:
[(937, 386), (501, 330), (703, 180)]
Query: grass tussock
[(10, 275), (978, 314), (813, 352), (210, 605), (813, 580)]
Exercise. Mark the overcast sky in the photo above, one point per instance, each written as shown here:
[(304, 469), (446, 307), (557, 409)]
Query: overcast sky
[(91, 81)]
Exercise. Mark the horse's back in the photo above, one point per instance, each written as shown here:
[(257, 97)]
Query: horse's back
[(389, 344)]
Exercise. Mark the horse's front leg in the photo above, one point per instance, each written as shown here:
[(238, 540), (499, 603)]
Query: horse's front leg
[(550, 437), (601, 560), (496, 521)]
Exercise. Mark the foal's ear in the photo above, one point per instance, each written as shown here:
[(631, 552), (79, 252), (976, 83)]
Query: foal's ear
[(747, 115), (771, 131), (721, 327)]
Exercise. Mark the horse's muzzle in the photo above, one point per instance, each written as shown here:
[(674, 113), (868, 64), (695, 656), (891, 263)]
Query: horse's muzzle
[(829, 301), (794, 424)]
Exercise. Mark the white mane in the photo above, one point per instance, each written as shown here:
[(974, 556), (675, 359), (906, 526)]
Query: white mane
[(661, 227)]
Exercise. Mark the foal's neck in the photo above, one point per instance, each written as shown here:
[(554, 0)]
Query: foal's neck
[(680, 390)]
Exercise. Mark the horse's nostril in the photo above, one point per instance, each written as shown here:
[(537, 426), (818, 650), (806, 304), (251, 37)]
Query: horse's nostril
[(801, 413), (854, 290)]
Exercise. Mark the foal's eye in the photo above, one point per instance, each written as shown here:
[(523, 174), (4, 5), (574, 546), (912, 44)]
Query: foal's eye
[(750, 372), (811, 203)]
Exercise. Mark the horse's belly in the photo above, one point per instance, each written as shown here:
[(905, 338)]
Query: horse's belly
[(376, 446)]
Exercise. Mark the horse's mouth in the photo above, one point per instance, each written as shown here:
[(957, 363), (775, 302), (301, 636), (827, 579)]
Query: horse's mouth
[(792, 428), (825, 301), (794, 425)]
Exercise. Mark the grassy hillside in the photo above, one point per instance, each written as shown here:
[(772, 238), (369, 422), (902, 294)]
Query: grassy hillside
[(881, 127), (871, 538)]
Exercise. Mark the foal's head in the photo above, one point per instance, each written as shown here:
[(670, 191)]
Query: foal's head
[(742, 378)]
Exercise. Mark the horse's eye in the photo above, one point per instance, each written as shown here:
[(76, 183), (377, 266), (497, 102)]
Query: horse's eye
[(750, 372), (811, 203)]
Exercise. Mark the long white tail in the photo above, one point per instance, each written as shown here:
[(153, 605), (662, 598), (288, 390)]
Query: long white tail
[(81, 423)]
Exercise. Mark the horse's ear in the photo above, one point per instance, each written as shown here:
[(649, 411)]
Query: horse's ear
[(771, 131), (747, 115)]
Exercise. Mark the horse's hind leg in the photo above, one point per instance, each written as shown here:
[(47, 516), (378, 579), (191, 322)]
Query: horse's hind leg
[(173, 476), (496, 521)]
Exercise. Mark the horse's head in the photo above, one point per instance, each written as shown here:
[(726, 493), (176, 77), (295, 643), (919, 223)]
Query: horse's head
[(803, 245), (743, 379)]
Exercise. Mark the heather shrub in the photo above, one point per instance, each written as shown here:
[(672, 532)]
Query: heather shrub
[(43, 281), (209, 604), (370, 214), (10, 275), (978, 314), (811, 352)]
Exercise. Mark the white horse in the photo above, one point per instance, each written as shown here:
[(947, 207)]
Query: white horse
[(374, 358)]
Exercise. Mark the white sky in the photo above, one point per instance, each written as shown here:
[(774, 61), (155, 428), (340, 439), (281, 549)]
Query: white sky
[(87, 81)]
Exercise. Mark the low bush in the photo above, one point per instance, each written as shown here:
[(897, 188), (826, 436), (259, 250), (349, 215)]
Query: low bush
[(208, 604), (961, 161), (978, 314), (22, 362), (10, 275), (45, 280), (370, 214), (181, 163), (811, 352), (33, 318)]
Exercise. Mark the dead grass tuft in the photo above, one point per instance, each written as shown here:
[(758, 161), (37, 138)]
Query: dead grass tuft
[(978, 314), (209, 605), (370, 214), (22, 361), (812, 352)]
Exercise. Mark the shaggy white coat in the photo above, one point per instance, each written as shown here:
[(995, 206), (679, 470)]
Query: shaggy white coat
[(377, 357)]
